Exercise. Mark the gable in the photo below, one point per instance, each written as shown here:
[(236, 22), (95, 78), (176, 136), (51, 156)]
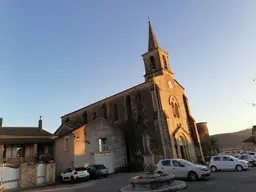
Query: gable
[(102, 126), (66, 128)]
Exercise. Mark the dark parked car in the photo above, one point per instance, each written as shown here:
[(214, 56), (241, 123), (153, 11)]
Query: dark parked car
[(96, 171)]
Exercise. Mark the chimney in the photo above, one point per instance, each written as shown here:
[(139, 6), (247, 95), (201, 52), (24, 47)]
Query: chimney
[(40, 123), (1, 122)]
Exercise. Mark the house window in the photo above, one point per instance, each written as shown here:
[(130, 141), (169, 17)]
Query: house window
[(165, 62), (152, 62), (115, 112), (103, 144), (94, 115), (104, 111), (66, 143), (20, 151), (67, 120)]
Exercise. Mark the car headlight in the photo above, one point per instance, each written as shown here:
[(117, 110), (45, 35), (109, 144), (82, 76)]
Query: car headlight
[(204, 169)]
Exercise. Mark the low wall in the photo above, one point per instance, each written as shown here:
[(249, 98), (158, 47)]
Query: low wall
[(1, 188), (29, 176), (50, 173)]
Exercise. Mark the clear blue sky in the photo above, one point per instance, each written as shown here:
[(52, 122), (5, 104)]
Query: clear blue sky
[(58, 56)]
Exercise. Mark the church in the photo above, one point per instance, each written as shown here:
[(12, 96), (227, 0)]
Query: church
[(158, 108)]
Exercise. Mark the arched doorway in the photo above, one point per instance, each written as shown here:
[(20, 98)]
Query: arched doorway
[(183, 148)]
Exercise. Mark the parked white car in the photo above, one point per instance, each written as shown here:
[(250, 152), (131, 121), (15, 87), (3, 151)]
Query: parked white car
[(252, 153), (75, 174), (227, 162), (182, 168), (249, 158)]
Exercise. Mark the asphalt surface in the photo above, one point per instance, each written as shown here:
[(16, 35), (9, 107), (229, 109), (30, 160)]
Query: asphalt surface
[(232, 181)]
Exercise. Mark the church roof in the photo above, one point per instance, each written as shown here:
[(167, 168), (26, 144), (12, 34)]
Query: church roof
[(134, 87), (152, 42)]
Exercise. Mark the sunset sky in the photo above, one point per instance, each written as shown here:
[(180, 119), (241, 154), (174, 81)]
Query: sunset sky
[(59, 56)]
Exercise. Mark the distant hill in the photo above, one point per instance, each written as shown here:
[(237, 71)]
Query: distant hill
[(232, 139)]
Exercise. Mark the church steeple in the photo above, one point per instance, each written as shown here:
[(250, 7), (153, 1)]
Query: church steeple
[(156, 59), (152, 42)]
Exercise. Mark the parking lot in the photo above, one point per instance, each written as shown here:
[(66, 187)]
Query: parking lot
[(244, 181)]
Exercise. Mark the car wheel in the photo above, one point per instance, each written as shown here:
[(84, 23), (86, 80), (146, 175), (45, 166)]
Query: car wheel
[(160, 172), (250, 164), (88, 178), (214, 169), (192, 176), (106, 176), (72, 179), (239, 168)]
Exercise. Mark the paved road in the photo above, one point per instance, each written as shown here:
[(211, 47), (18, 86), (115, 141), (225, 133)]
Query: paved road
[(113, 183), (244, 181)]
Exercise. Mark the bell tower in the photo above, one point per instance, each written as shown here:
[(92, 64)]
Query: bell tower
[(156, 60)]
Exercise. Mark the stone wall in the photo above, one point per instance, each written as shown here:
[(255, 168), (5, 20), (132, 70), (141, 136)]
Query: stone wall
[(135, 115), (1, 188), (50, 173), (115, 142), (27, 175), (205, 139)]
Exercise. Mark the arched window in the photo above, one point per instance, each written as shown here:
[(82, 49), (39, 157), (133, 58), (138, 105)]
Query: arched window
[(94, 115), (128, 107), (173, 109), (165, 62), (177, 110), (139, 101), (104, 111), (85, 117), (152, 62), (115, 112)]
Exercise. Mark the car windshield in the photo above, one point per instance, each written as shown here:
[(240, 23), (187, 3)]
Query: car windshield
[(80, 169), (100, 167), (188, 163)]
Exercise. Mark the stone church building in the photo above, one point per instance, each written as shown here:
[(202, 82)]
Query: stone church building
[(157, 107)]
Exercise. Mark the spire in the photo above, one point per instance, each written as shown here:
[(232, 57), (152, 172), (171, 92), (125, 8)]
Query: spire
[(152, 42)]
